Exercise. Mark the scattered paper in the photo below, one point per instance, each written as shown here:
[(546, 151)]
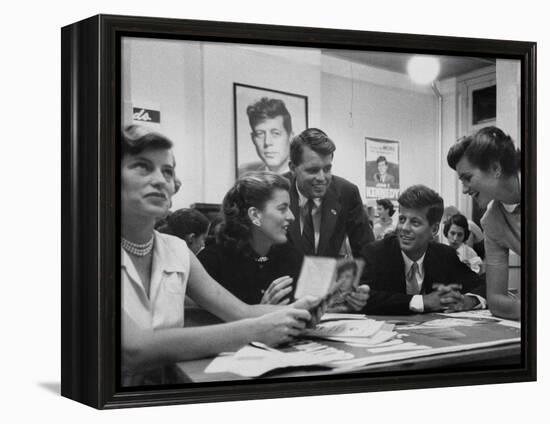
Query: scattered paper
[(346, 328), (403, 346), (252, 361), (331, 316)]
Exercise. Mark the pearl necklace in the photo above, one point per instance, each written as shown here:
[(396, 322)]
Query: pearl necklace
[(138, 249)]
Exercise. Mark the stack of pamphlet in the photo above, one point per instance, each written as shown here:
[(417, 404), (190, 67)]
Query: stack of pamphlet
[(359, 332)]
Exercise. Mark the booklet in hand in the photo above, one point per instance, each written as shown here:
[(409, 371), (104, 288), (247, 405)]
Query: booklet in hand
[(328, 278)]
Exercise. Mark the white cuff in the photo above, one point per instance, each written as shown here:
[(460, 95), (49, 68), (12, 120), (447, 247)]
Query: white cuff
[(482, 302), (417, 303)]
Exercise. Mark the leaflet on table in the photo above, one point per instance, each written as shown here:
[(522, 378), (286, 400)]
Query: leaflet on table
[(322, 277), (251, 361)]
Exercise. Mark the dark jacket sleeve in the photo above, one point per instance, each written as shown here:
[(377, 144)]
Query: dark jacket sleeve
[(358, 229), (386, 296)]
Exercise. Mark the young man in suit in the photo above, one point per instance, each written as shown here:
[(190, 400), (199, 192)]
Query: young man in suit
[(327, 208), (410, 273)]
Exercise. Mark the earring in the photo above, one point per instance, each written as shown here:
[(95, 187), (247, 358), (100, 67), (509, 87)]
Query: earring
[(256, 222)]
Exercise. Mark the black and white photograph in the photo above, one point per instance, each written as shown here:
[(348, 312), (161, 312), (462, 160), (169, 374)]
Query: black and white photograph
[(430, 297), (183, 279), (265, 123)]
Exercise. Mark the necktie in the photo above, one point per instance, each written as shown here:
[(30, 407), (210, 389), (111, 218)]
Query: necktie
[(308, 233), (412, 281)]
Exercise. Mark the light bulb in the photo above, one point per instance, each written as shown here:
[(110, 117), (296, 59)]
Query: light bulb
[(423, 69)]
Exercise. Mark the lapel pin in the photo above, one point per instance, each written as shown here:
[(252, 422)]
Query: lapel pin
[(332, 211)]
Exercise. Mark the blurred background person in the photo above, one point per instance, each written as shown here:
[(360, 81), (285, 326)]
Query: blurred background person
[(189, 225), (271, 127), (475, 239), (488, 165), (456, 231), (384, 225)]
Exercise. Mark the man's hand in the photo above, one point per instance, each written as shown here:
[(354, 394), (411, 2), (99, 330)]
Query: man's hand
[(357, 299), (432, 302), (456, 302), (453, 300)]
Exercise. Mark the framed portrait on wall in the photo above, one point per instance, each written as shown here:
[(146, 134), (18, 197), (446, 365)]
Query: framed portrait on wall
[(143, 321), (265, 122)]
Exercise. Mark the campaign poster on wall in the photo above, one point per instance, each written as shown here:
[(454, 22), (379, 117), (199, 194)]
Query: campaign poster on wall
[(381, 168)]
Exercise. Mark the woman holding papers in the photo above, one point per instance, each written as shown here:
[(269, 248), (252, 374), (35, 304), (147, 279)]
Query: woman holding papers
[(157, 270), (252, 258), (488, 164)]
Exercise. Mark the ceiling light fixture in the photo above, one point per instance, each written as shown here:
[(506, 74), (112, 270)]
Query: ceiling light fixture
[(423, 69)]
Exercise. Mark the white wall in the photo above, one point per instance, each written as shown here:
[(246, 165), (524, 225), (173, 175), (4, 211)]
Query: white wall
[(380, 112)]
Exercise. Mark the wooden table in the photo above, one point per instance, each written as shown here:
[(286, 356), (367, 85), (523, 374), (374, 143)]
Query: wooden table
[(482, 345)]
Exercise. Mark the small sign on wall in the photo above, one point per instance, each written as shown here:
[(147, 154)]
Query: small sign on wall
[(146, 115)]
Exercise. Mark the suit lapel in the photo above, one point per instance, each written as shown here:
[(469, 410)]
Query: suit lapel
[(294, 229), (330, 209), (398, 268), (429, 265)]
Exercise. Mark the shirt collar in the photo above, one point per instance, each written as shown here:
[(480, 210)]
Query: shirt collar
[(409, 263), (302, 200)]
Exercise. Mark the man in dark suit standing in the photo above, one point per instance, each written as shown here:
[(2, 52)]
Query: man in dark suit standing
[(327, 208), (410, 273)]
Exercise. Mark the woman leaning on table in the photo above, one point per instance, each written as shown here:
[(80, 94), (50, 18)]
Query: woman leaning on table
[(157, 270), (488, 165), (252, 257)]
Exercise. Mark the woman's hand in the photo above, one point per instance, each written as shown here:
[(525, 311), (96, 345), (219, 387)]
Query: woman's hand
[(281, 326), (316, 307), (278, 291)]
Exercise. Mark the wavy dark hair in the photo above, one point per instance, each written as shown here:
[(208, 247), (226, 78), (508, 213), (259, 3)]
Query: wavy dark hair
[(460, 221), (252, 189), (485, 147), (267, 108)]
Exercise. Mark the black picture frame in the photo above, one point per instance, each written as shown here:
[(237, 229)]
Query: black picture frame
[(246, 156), (90, 197)]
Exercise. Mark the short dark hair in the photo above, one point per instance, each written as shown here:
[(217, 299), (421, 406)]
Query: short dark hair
[(315, 139), (267, 108), (459, 220), (252, 189), (137, 138), (184, 222), (418, 197), (485, 147), (381, 159), (386, 204)]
